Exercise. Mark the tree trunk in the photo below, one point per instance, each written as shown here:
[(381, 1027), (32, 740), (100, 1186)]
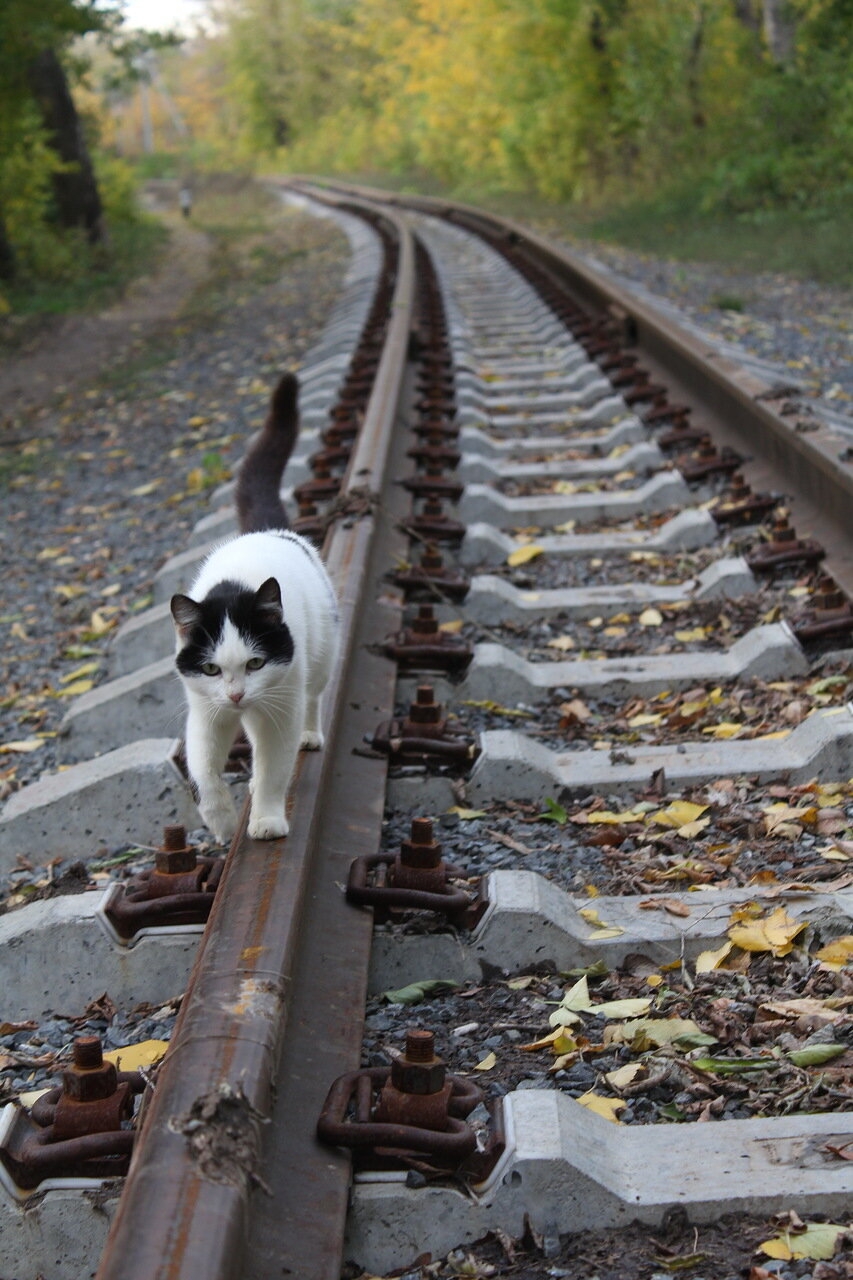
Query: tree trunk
[(7, 254), (75, 191), (779, 25)]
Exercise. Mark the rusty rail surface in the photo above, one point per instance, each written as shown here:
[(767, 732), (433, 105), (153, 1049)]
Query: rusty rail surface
[(185, 1208)]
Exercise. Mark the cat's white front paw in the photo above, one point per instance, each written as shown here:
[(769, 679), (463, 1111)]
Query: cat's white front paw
[(268, 826), (221, 817), (311, 741)]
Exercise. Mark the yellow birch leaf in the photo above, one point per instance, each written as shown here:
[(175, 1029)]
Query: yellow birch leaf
[(615, 633), (725, 729), (590, 915), (87, 669), (779, 733), (24, 745), (609, 1108), (630, 1008), (75, 689), (638, 722), (774, 933), (695, 633), (452, 628), (691, 830), (142, 490), (651, 618), (623, 1075), (562, 642), (678, 813), (522, 555), (466, 815), (838, 953), (544, 1042), (487, 1063), (69, 590), (817, 1242), (134, 1056), (710, 960)]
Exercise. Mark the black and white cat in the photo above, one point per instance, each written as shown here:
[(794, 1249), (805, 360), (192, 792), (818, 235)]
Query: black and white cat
[(256, 642)]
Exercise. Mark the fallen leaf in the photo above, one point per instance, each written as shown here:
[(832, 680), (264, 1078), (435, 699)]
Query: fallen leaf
[(838, 953), (651, 618), (609, 1108), (522, 555), (134, 1056), (678, 814), (774, 933), (817, 1242), (23, 745), (417, 991), (487, 1063)]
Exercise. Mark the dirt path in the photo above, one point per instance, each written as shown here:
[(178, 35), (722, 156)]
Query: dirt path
[(77, 348)]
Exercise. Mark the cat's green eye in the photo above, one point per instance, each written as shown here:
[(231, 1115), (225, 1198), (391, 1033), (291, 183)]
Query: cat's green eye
[(255, 664), (210, 669)]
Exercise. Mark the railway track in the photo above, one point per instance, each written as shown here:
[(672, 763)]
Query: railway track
[(593, 706)]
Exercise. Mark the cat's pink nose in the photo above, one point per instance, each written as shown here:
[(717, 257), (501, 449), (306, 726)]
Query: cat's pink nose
[(236, 697)]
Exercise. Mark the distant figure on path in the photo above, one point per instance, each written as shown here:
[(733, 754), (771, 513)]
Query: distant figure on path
[(185, 198)]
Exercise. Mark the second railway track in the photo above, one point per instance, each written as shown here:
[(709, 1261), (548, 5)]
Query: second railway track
[(592, 714)]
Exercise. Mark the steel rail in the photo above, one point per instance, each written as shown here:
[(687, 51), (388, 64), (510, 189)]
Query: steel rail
[(185, 1207), (738, 407)]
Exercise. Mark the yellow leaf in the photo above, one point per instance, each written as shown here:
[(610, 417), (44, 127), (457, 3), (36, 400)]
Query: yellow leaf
[(678, 814), (709, 960), (590, 915), (566, 527), (638, 722), (609, 1108), (100, 624), (615, 633), (691, 830), (695, 633), (69, 591), (725, 729), (134, 1056), (838, 953), (630, 1008), (73, 690), (817, 1242), (50, 553), (452, 628), (619, 618), (522, 555), (562, 642), (608, 816), (774, 933), (24, 745), (142, 490), (466, 815), (623, 1075), (545, 1041), (487, 1063), (650, 618), (87, 669)]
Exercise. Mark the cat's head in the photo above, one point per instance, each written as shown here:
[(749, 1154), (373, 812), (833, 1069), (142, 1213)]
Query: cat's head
[(233, 644)]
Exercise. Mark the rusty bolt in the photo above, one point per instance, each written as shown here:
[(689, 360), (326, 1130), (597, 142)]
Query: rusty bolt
[(425, 709), (421, 850), (418, 1070), (175, 856), (89, 1078), (827, 595), (783, 531), (426, 623)]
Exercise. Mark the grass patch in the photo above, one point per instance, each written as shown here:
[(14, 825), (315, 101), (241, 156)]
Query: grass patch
[(102, 275), (812, 243)]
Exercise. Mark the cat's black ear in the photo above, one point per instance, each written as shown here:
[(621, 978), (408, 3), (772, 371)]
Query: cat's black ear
[(268, 599), (185, 612)]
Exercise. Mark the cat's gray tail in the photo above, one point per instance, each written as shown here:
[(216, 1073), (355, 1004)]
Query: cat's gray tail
[(257, 497)]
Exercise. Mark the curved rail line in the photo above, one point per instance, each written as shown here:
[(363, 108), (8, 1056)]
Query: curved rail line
[(228, 1178)]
